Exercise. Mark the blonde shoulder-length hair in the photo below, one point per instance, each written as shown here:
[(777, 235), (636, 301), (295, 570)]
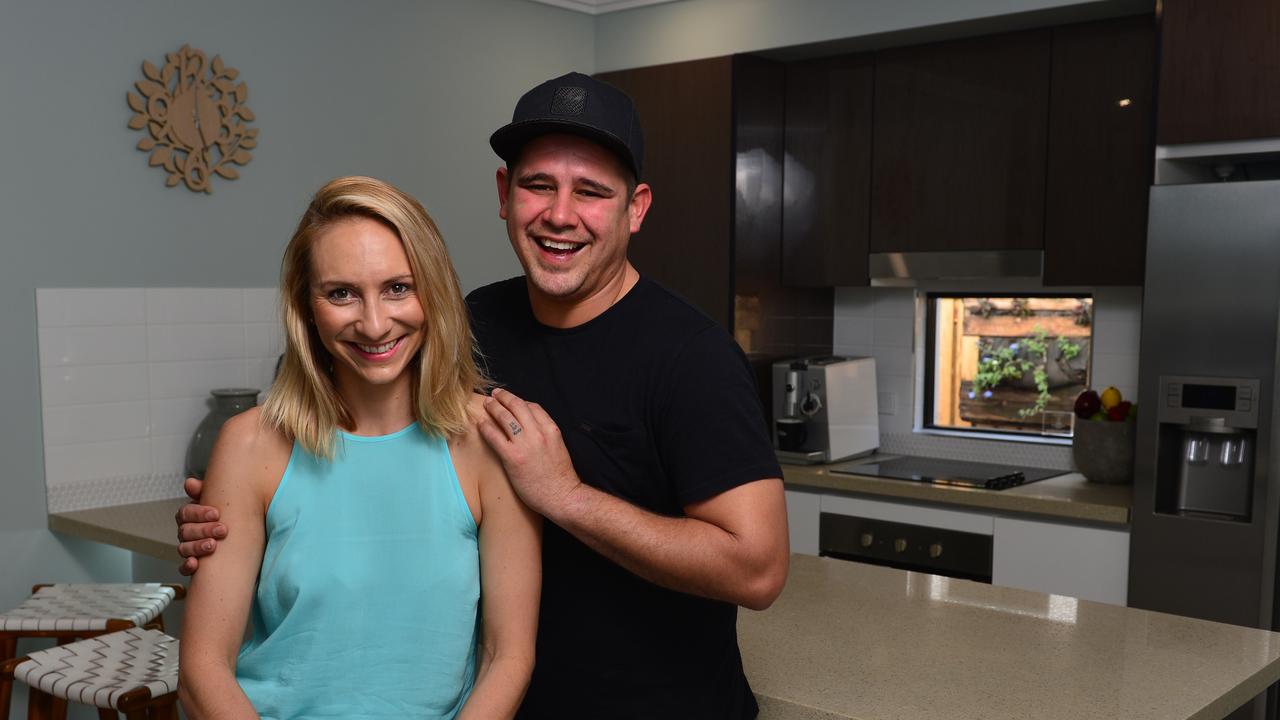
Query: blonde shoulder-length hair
[(303, 402)]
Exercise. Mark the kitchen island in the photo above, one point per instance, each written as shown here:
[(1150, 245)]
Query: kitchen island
[(853, 641)]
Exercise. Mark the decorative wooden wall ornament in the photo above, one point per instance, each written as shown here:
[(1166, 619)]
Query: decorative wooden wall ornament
[(195, 115)]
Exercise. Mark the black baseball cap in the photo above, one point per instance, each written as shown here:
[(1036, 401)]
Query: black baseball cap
[(580, 105)]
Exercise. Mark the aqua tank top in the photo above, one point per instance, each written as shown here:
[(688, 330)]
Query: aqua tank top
[(366, 605)]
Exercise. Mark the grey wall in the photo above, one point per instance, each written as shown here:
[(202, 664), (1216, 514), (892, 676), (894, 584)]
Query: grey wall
[(692, 29), (405, 90)]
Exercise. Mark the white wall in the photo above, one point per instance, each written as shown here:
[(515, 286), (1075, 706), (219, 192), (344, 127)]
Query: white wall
[(406, 90), (693, 29)]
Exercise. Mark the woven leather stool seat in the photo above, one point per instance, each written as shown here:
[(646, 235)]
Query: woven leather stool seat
[(87, 607), (102, 670)]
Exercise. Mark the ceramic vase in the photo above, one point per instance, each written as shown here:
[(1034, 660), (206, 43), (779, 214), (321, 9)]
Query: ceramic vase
[(227, 402)]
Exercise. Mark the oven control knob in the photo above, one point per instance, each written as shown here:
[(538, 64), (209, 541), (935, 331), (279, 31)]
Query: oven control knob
[(935, 550), (899, 545), (867, 539)]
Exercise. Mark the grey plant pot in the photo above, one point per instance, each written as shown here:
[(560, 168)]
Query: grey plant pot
[(1103, 450)]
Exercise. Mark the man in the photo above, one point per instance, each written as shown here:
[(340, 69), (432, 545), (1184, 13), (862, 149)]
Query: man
[(627, 419)]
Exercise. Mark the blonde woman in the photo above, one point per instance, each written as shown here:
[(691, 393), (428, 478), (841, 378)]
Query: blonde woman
[(389, 570)]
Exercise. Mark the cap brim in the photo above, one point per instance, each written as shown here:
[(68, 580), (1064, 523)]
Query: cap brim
[(509, 139)]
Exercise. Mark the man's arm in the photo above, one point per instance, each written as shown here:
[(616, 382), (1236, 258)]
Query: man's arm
[(732, 546)]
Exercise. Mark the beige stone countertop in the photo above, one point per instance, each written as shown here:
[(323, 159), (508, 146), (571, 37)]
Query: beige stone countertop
[(145, 527), (1069, 496), (848, 640)]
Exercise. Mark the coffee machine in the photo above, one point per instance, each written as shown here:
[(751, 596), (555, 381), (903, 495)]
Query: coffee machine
[(824, 409)]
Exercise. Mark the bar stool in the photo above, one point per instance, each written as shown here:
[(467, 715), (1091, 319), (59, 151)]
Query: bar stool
[(73, 611), (132, 671)]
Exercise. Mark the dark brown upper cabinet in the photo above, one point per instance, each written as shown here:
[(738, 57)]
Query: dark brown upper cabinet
[(686, 110), (959, 147), (1219, 70), (1100, 152), (713, 156), (827, 176)]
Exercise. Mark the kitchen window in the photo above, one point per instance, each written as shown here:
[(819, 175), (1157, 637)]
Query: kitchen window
[(1006, 363)]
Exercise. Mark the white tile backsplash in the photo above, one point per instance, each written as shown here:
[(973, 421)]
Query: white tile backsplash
[(895, 303), (88, 384), (60, 307), (197, 341), (125, 378), (68, 424), (195, 305), (92, 344), (855, 330), (168, 454), (263, 339), (261, 305), (880, 322), (172, 415), (194, 378), (892, 332), (88, 461)]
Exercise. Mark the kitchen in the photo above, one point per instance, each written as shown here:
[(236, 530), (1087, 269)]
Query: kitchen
[(122, 230)]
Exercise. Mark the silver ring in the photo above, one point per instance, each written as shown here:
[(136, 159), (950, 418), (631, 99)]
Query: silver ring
[(515, 428)]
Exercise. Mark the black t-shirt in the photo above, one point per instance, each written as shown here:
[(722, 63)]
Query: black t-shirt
[(657, 406)]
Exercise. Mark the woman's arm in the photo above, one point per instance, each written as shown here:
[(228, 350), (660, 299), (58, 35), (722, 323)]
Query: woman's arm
[(511, 585), (245, 468)]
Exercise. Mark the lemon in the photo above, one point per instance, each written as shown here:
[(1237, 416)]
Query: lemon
[(1110, 398)]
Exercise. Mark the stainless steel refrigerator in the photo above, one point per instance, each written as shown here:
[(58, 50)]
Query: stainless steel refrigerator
[(1206, 480)]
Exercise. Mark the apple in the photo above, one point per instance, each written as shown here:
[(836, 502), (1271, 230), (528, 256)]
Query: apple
[(1087, 404), (1119, 411)]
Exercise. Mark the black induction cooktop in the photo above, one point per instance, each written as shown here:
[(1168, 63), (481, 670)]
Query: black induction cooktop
[(948, 472)]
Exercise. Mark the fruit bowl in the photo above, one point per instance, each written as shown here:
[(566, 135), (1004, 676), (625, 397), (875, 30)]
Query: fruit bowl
[(1103, 450), (1102, 447)]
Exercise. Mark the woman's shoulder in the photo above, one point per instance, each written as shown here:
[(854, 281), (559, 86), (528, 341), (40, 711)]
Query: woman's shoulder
[(249, 442)]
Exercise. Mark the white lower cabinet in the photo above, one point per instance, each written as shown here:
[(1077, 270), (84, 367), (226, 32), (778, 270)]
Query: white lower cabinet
[(802, 521), (1060, 558), (1077, 560)]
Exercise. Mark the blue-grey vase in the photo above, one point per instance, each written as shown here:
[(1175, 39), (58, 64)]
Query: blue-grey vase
[(227, 402)]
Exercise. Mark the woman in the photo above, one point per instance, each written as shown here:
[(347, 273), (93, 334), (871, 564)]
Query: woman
[(377, 541)]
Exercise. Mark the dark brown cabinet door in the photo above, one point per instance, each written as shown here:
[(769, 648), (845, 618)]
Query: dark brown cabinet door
[(959, 146), (826, 215), (1219, 70), (1100, 152), (685, 242)]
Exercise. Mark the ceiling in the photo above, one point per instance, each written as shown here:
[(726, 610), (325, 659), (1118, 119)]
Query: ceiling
[(600, 7)]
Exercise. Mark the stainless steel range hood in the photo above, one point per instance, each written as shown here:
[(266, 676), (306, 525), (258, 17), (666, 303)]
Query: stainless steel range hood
[(909, 268)]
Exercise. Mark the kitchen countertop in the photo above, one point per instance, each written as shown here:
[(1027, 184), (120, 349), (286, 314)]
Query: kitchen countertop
[(1069, 497), (145, 527), (852, 641)]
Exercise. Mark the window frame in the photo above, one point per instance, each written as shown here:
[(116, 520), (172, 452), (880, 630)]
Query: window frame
[(928, 409)]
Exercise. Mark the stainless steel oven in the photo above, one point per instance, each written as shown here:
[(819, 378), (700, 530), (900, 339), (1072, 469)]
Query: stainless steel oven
[(937, 551)]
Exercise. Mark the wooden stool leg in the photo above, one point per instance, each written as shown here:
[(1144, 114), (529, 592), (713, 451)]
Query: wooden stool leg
[(104, 714), (39, 705), (8, 649), (139, 714)]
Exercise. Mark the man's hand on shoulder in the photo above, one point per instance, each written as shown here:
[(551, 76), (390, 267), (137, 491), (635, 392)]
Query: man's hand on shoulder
[(528, 442), (198, 528)]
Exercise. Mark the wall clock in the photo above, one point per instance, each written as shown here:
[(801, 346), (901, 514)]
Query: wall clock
[(195, 118)]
